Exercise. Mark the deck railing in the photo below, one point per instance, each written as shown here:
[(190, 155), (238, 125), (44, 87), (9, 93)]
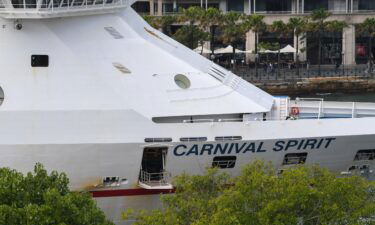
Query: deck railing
[(49, 8), (154, 179)]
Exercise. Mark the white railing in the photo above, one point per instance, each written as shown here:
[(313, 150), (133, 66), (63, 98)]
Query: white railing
[(47, 8), (318, 108), (199, 121), (224, 164), (154, 179)]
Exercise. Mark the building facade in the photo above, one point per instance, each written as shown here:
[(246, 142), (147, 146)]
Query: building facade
[(353, 46)]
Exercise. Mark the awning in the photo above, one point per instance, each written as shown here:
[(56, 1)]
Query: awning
[(199, 50), (288, 49), (227, 50)]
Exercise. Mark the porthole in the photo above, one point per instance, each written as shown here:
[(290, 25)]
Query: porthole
[(182, 81), (1, 96)]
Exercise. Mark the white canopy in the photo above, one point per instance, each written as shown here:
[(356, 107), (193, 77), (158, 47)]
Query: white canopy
[(288, 49), (199, 50), (227, 50), (267, 51)]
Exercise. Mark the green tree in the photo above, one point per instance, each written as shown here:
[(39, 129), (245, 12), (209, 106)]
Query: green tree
[(44, 199), (317, 24), (161, 22), (256, 24), (152, 21), (281, 30), (306, 195), (211, 19), (336, 28), (368, 27), (192, 32), (298, 26), (234, 31), (191, 202)]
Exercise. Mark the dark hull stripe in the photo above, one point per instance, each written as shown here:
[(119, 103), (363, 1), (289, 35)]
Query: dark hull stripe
[(129, 192)]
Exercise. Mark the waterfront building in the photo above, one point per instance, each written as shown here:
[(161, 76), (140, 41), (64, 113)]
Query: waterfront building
[(351, 47)]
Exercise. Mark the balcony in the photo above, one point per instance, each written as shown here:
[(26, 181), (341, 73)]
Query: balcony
[(155, 180), (38, 9)]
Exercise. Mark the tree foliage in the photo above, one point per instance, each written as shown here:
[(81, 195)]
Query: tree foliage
[(192, 33), (42, 199), (301, 195)]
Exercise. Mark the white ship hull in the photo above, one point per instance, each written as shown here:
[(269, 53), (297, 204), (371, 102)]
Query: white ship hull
[(109, 93), (91, 145)]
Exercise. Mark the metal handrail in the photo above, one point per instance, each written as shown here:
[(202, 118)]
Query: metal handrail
[(224, 164), (198, 120), (66, 5), (154, 178)]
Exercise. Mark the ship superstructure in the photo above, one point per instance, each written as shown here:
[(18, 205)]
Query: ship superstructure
[(91, 89)]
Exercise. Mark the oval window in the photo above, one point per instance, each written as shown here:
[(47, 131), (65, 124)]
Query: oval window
[(182, 81)]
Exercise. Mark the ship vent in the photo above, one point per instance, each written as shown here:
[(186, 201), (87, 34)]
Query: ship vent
[(228, 138), (148, 140), (217, 73), (121, 67), (113, 32), (193, 139)]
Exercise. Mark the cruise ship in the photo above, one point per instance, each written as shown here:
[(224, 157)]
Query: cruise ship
[(90, 89)]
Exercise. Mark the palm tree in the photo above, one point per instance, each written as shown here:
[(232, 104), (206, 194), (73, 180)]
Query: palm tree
[(335, 27), (153, 21), (281, 29), (368, 27), (317, 24), (192, 16), (212, 18), (256, 24), (233, 29), (298, 26)]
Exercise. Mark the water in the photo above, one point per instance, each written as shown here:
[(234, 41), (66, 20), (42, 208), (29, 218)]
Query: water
[(364, 97)]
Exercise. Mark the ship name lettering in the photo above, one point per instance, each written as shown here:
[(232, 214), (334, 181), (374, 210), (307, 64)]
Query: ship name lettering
[(252, 147), (304, 144), (219, 148)]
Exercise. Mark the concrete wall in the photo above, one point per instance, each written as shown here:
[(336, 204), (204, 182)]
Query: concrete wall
[(349, 45)]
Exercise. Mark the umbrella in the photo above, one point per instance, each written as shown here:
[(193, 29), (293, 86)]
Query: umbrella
[(288, 49), (227, 50), (267, 51)]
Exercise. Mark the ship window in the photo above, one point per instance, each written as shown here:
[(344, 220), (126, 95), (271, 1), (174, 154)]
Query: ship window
[(1, 96), (224, 162), (182, 81), (368, 154), (39, 60), (158, 139), (295, 158), (228, 138), (192, 139)]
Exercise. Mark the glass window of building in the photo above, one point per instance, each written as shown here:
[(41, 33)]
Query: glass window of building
[(236, 5), (331, 48), (311, 5), (362, 47), (141, 7), (273, 6), (366, 5)]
